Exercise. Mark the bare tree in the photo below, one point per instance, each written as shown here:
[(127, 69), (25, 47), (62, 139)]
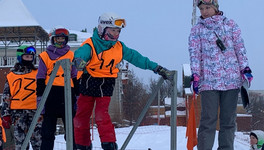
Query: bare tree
[(257, 110), (134, 98)]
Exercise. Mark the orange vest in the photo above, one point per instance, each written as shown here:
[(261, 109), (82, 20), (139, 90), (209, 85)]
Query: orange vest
[(3, 131), (104, 64), (23, 90), (59, 79)]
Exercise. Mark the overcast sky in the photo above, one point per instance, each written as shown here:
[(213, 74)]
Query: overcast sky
[(158, 29)]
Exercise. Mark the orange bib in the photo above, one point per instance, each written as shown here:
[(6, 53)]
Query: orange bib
[(59, 79), (23, 90), (104, 64)]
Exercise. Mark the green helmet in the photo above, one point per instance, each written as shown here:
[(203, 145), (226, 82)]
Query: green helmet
[(25, 49)]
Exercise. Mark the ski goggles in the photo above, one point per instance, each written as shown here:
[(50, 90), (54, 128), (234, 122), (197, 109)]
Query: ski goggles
[(120, 23), (61, 31), (28, 50)]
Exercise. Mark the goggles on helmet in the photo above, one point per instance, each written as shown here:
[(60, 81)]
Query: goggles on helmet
[(121, 23), (28, 50), (61, 31), (208, 2)]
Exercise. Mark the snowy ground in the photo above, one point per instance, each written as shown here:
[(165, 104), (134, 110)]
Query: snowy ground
[(154, 137)]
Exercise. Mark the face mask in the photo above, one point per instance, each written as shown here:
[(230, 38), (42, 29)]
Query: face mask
[(58, 44), (110, 37), (26, 63)]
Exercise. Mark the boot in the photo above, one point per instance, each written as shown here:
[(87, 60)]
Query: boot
[(82, 147), (109, 146)]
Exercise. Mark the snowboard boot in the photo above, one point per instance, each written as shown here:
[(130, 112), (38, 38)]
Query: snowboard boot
[(109, 146), (82, 147)]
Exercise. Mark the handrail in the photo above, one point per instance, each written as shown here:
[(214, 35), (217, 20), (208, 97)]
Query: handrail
[(65, 63), (173, 113)]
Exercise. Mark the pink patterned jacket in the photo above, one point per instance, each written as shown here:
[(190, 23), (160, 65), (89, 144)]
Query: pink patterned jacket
[(218, 70)]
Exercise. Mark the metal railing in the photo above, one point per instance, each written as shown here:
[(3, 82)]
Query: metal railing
[(173, 119), (65, 64)]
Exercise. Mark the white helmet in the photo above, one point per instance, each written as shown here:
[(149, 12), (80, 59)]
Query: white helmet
[(58, 31), (111, 20)]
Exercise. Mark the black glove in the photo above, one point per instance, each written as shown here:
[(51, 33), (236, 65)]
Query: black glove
[(76, 86), (165, 73), (40, 86)]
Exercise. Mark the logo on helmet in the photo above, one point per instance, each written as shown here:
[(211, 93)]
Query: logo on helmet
[(105, 22)]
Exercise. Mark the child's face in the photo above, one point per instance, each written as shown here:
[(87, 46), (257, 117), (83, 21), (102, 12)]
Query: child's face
[(114, 31), (60, 39), (207, 10), (253, 140), (112, 34), (27, 57)]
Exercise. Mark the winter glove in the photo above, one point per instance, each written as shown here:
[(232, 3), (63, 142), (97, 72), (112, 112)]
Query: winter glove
[(165, 73), (40, 86), (6, 122), (76, 86), (79, 63), (38, 102), (195, 83), (247, 75)]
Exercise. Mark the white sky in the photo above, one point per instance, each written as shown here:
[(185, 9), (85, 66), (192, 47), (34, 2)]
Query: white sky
[(157, 29), (154, 137)]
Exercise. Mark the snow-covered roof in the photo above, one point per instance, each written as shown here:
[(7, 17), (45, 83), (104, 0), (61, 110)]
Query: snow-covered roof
[(179, 113), (14, 13), (187, 91), (180, 101), (186, 70)]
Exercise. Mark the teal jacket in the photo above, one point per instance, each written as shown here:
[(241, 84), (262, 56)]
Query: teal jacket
[(130, 55)]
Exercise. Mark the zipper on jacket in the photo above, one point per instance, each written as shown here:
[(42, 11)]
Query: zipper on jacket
[(87, 82), (102, 94)]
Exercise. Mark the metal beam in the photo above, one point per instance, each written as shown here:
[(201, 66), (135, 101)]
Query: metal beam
[(66, 66), (144, 111), (173, 119), (68, 104)]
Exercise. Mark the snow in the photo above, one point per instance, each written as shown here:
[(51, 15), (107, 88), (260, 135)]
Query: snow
[(179, 113), (154, 137), (187, 70), (180, 101), (18, 15), (187, 91)]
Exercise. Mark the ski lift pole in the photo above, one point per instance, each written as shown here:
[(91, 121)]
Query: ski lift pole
[(194, 13), (41, 105), (66, 66), (173, 119), (144, 111)]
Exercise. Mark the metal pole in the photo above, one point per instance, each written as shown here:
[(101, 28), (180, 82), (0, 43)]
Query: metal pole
[(144, 111), (194, 13), (158, 107), (68, 103), (41, 105), (173, 120)]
